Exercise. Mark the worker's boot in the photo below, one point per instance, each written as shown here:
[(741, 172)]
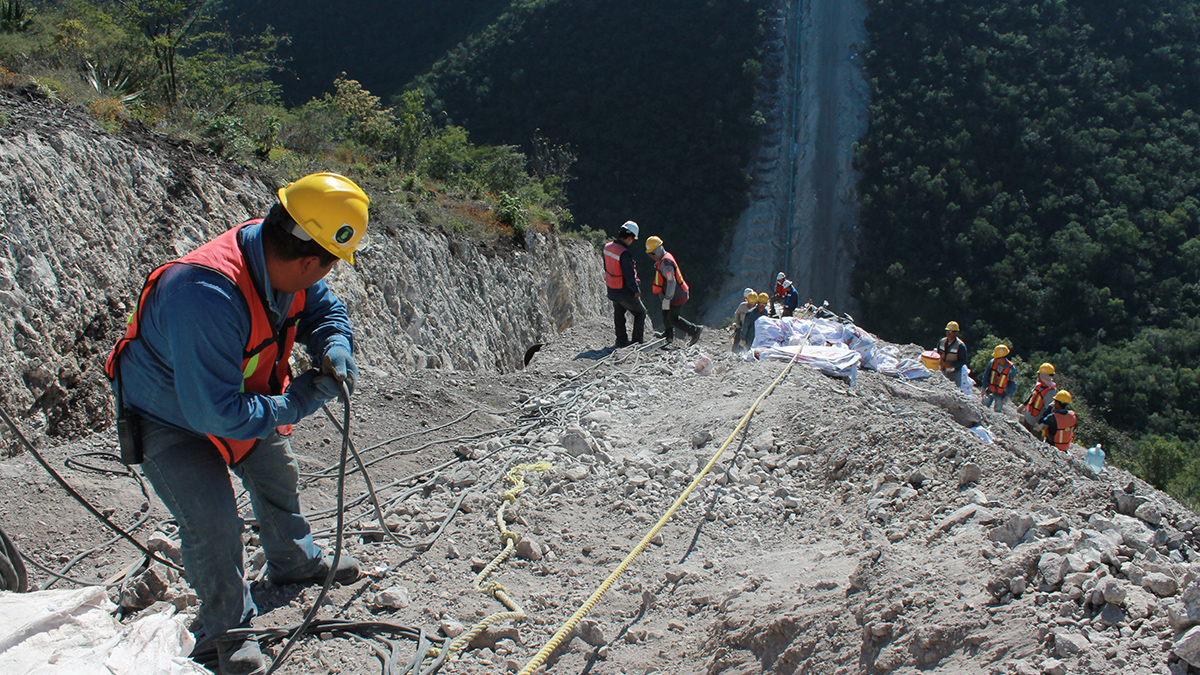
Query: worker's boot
[(347, 571), (241, 656), (695, 336)]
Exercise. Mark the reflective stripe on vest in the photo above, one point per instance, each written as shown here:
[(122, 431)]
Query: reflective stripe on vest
[(1064, 429), (1037, 400), (998, 377), (659, 282), (613, 276), (265, 356)]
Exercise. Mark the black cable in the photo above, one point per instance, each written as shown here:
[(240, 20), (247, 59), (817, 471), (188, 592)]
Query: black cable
[(337, 546), (79, 498), (12, 570)]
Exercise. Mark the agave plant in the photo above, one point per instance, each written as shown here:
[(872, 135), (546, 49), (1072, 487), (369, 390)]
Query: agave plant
[(14, 17), (112, 80)]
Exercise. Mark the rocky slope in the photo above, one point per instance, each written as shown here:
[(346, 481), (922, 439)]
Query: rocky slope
[(85, 214), (857, 529)]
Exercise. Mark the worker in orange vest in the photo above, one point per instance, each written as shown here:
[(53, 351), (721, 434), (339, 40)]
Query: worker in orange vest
[(624, 289), (1040, 400), (953, 354), (1060, 422), (204, 389), (669, 283), (999, 379)]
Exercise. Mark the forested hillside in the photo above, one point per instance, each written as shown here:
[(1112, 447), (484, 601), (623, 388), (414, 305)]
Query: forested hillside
[(1031, 171), (655, 99), (381, 43)]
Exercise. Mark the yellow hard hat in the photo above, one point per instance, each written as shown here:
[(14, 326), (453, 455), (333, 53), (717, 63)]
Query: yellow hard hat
[(1063, 396), (1000, 350), (330, 209), (953, 325), (1046, 369), (749, 292), (763, 298), (652, 244)]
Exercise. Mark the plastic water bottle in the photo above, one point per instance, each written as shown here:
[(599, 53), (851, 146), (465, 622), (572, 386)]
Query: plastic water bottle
[(1095, 458)]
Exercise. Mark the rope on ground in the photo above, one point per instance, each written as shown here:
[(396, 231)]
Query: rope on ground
[(516, 476), (567, 628)]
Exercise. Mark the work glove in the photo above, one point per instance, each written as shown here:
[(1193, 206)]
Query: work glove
[(339, 364), (666, 304), (307, 393)]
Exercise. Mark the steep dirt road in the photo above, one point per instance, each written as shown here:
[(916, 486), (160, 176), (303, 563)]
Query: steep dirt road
[(803, 212)]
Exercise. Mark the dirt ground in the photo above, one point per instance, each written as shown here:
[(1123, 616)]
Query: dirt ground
[(827, 538)]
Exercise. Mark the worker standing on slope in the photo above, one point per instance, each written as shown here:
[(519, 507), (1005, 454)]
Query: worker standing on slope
[(624, 288), (758, 310), (669, 283), (999, 379), (791, 298), (739, 315), (1060, 422), (780, 291), (1040, 400), (953, 354), (204, 365)]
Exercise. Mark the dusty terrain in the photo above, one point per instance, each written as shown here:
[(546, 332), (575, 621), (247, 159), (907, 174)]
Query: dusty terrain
[(849, 530)]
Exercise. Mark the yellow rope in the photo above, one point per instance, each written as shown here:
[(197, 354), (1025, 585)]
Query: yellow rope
[(516, 476), (548, 649)]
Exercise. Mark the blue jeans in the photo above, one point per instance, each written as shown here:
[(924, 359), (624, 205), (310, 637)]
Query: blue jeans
[(994, 401), (192, 479)]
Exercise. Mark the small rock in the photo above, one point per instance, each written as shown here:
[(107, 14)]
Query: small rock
[(451, 629), (969, 473), (1111, 615), (528, 549), (1054, 667), (1160, 584), (1187, 647), (395, 597), (1069, 644), (1112, 590), (1149, 512), (700, 438), (591, 632)]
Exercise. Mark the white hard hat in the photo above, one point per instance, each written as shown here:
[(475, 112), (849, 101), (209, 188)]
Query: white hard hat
[(787, 284), (780, 277), (631, 227), (748, 292)]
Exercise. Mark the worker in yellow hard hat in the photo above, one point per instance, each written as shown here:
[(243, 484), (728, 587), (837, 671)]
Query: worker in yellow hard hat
[(669, 284), (953, 354), (1040, 399), (761, 308), (749, 300), (203, 387), (999, 379), (1060, 422)]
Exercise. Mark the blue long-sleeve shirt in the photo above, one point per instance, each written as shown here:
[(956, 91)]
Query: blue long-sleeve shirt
[(186, 369)]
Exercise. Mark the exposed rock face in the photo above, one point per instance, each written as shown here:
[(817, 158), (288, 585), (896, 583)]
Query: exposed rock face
[(85, 215)]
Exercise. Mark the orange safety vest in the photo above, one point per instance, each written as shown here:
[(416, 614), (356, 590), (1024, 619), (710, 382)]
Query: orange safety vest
[(613, 276), (659, 282), (1064, 430), (1037, 400), (265, 357), (998, 377)]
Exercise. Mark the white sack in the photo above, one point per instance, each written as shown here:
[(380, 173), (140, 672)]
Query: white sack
[(72, 632)]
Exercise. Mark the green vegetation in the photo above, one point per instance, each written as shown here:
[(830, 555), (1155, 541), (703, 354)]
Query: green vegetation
[(655, 98), (1030, 170), (170, 65)]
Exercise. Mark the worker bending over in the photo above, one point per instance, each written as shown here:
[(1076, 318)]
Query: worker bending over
[(999, 379), (953, 354), (1040, 400), (669, 283), (204, 364), (1060, 422), (758, 310), (739, 316)]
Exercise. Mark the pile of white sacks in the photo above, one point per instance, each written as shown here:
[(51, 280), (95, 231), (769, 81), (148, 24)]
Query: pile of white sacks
[(830, 346)]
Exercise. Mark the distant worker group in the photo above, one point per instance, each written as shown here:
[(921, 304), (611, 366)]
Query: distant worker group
[(1045, 412)]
